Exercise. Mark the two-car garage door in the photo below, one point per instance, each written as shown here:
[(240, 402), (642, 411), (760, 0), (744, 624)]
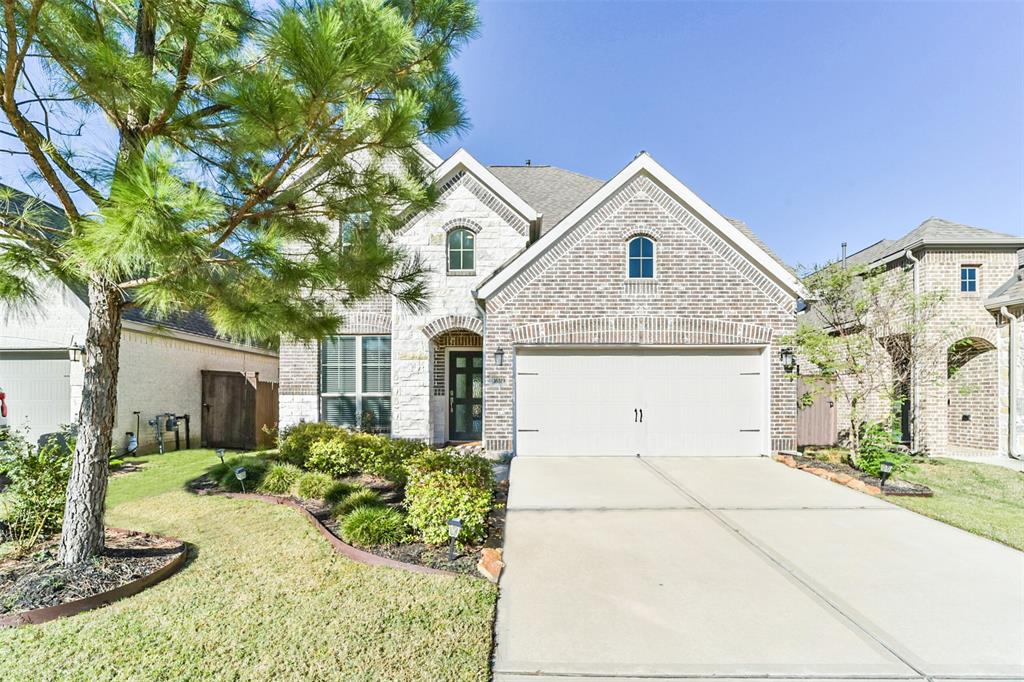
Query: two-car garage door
[(652, 402)]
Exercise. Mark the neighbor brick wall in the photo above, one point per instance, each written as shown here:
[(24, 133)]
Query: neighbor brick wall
[(973, 393), (704, 292)]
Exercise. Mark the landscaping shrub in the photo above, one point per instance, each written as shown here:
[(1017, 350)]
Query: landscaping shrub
[(297, 440), (348, 453), (337, 454), (877, 446), (372, 526), (338, 491), (280, 478), (444, 485), (313, 485), (355, 500), (33, 503), (255, 470)]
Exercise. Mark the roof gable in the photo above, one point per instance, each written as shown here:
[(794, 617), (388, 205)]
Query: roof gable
[(644, 164), (463, 161), (553, 191)]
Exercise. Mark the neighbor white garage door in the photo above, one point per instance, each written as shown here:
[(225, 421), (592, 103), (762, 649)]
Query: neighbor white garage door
[(38, 390), (651, 402)]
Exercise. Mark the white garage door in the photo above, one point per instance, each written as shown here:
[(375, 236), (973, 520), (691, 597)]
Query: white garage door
[(38, 390), (651, 402)]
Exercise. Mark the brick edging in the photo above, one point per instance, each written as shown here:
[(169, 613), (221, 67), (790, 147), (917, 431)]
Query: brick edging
[(71, 608), (339, 545)]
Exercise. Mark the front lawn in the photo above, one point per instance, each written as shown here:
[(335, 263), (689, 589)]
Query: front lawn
[(263, 598), (981, 498)]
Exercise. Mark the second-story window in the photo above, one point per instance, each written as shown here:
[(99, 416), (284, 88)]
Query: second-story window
[(968, 278), (461, 256), (641, 258)]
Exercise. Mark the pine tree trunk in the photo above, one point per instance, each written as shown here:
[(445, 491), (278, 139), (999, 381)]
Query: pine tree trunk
[(82, 531)]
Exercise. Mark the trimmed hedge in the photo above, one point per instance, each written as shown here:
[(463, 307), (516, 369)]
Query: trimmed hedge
[(444, 485), (346, 453), (297, 440)]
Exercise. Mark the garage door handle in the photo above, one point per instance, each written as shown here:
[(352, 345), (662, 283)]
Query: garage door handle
[(641, 415)]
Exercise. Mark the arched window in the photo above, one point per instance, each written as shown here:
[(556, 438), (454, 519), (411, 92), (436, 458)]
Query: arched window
[(641, 258), (460, 250)]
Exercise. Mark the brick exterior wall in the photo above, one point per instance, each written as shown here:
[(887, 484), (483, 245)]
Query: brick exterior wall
[(974, 402), (704, 292)]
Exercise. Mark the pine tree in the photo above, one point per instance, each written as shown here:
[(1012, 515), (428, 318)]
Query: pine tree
[(241, 141)]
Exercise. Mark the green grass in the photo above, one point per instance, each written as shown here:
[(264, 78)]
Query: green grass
[(264, 597), (984, 499)]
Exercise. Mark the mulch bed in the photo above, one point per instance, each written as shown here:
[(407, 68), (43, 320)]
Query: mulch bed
[(466, 558), (893, 486), (38, 580)]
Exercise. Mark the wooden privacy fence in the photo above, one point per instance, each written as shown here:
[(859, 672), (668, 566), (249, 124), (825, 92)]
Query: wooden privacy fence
[(236, 408), (816, 424)]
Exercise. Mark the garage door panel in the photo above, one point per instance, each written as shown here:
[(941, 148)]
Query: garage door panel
[(38, 390), (706, 402)]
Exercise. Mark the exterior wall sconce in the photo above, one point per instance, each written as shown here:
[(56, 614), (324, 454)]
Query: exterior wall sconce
[(499, 357), (76, 352), (789, 361)]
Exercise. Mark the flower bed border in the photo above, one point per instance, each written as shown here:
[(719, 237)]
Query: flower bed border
[(47, 613), (339, 545), (819, 469)]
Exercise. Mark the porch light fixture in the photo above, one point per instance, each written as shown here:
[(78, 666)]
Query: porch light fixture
[(220, 453), (499, 357), (886, 469), (76, 353), (454, 528), (788, 360), (240, 474)]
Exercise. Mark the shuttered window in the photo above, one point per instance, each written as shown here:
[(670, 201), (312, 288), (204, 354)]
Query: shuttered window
[(355, 382)]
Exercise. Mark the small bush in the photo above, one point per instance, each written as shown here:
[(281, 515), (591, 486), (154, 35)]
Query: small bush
[(297, 440), (877, 446), (338, 491), (335, 455), (355, 500), (374, 526), (280, 478), (444, 485), (33, 503), (224, 474), (314, 485)]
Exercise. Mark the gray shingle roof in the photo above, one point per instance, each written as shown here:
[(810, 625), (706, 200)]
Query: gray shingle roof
[(742, 227), (934, 232), (552, 191)]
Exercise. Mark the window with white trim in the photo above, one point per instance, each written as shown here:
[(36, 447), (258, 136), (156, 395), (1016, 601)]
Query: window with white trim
[(968, 278), (641, 258), (355, 382), (461, 247)]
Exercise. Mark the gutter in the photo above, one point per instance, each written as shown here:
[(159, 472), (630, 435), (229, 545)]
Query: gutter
[(913, 356), (1011, 445)]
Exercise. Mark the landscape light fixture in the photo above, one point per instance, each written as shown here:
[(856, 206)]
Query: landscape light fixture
[(220, 453), (240, 474), (886, 469), (499, 357), (788, 360), (454, 528)]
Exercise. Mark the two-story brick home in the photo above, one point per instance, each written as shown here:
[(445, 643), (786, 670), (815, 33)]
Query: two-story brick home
[(567, 316), (961, 405)]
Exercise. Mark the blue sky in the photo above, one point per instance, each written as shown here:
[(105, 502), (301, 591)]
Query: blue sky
[(814, 122)]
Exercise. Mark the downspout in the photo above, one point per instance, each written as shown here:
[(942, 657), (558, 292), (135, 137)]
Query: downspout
[(913, 355), (1011, 445)]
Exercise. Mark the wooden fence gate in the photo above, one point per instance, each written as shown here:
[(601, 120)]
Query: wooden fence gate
[(236, 407), (816, 424)]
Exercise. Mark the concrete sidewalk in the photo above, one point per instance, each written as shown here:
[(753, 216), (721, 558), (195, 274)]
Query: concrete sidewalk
[(711, 568)]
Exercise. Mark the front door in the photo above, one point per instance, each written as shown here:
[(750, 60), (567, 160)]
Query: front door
[(465, 395)]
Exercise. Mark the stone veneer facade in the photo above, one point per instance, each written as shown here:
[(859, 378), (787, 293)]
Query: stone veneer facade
[(704, 293)]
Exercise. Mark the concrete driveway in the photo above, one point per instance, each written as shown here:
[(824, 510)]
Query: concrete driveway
[(630, 568)]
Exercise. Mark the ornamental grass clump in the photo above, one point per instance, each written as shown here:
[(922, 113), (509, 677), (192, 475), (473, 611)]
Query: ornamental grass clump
[(355, 500), (313, 485), (224, 474), (338, 491), (374, 526), (445, 485), (280, 478)]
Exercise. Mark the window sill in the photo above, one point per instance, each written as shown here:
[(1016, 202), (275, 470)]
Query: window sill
[(640, 286), (462, 273)]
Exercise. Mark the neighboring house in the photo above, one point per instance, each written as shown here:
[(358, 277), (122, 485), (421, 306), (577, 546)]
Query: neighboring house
[(961, 404), (567, 316), (161, 365)]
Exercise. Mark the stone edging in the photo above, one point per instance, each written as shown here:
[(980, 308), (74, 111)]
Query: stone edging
[(341, 547), (48, 613), (842, 479)]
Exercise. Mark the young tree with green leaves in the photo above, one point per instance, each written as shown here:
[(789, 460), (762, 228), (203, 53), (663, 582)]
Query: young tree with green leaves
[(864, 336), (239, 140)]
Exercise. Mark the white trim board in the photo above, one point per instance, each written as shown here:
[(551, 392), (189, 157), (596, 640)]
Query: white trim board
[(463, 159), (644, 163)]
